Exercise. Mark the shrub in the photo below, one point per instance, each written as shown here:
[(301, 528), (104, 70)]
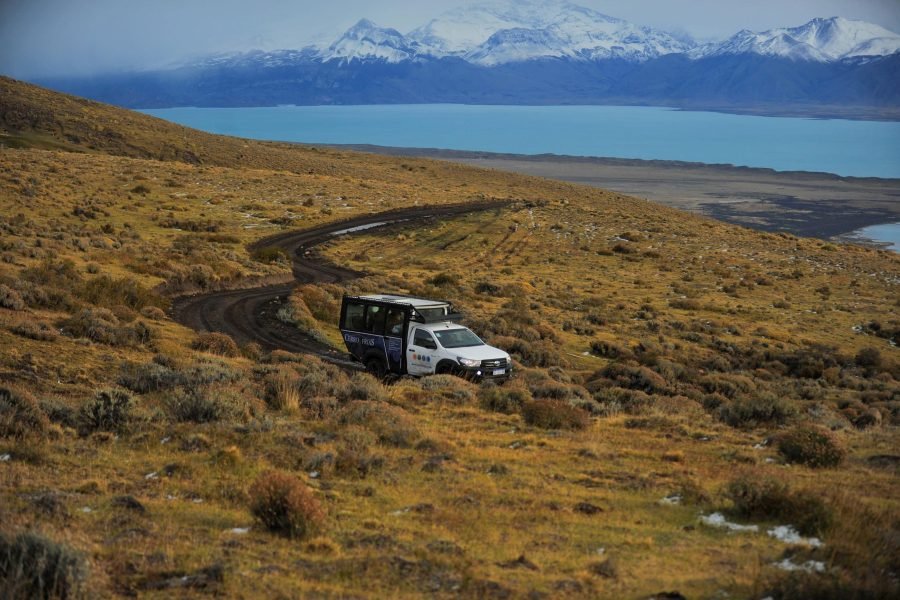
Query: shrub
[(209, 371), (448, 388), (270, 255), (756, 497), (154, 313), (149, 377), (362, 386), (751, 411), (503, 400), (102, 326), (442, 279), (109, 292), (20, 414), (32, 566), (633, 377), (867, 357), (391, 424), (812, 446), (284, 505), (10, 298), (609, 350), (197, 405), (216, 343), (324, 305), (554, 414), (281, 390), (35, 331), (109, 410), (487, 288)]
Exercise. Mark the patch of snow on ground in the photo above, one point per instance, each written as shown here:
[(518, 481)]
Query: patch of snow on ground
[(809, 566), (719, 520), (671, 500), (789, 535)]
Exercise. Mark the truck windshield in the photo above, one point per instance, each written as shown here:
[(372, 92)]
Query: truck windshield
[(457, 338)]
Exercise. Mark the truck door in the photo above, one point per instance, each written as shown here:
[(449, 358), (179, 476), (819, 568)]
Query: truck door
[(421, 355), (394, 330)]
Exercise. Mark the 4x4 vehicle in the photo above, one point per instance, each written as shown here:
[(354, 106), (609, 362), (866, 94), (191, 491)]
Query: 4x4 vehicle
[(414, 336)]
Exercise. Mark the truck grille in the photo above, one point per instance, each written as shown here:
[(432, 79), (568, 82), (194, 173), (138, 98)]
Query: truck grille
[(494, 363)]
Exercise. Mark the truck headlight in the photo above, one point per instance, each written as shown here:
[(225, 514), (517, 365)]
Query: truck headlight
[(468, 362)]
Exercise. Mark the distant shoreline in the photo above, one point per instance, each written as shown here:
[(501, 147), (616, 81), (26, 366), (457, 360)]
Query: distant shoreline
[(805, 203)]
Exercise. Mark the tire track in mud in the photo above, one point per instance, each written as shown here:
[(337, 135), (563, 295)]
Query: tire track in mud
[(249, 315)]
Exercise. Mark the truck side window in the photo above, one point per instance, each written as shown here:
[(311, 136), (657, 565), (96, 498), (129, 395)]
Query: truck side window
[(394, 323), (375, 319), (423, 339), (354, 318)]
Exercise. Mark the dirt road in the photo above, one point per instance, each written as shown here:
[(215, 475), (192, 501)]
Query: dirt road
[(249, 315)]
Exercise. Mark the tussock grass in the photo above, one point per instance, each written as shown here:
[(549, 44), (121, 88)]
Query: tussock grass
[(677, 349)]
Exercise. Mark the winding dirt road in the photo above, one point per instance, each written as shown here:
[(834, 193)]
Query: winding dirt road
[(249, 315)]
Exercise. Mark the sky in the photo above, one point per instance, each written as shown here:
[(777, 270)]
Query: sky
[(40, 38)]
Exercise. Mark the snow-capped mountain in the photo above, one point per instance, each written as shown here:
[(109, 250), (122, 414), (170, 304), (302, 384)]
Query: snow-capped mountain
[(527, 52), (500, 33), (821, 40), (368, 41), (549, 30)]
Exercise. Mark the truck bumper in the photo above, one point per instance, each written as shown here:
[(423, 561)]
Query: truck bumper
[(482, 374)]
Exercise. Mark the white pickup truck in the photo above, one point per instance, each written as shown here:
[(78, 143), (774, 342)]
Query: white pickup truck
[(405, 335)]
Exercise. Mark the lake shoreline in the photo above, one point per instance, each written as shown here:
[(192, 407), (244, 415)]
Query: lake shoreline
[(804, 203)]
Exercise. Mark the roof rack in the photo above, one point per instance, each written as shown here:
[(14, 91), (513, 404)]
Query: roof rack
[(420, 318)]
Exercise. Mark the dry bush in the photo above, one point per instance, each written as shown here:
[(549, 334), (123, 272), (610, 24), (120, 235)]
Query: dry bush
[(282, 391), (284, 505), (20, 414), (199, 405), (216, 343), (508, 400), (102, 326), (448, 388), (35, 331), (362, 386), (270, 255), (10, 298), (610, 350), (812, 445), (209, 371), (323, 301), (391, 424), (751, 411), (633, 377), (154, 313), (109, 410), (555, 414), (149, 377), (757, 496), (320, 407), (32, 566), (108, 292)]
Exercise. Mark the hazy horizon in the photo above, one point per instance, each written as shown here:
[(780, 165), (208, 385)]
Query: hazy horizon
[(43, 38)]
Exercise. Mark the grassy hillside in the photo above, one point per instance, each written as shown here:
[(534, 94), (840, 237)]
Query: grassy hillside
[(669, 367)]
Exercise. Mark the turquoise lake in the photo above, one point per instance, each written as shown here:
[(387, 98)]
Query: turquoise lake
[(850, 148), (888, 233)]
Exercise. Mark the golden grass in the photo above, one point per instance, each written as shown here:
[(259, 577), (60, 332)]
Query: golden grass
[(448, 510)]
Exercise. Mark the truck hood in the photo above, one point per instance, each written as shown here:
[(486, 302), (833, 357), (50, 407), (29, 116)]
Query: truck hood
[(479, 352)]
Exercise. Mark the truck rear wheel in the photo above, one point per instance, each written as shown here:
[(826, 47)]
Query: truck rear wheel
[(376, 367)]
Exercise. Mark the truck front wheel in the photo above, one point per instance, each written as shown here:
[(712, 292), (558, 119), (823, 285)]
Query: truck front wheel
[(446, 368)]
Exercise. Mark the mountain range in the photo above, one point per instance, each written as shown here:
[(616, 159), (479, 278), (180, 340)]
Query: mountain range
[(536, 53)]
